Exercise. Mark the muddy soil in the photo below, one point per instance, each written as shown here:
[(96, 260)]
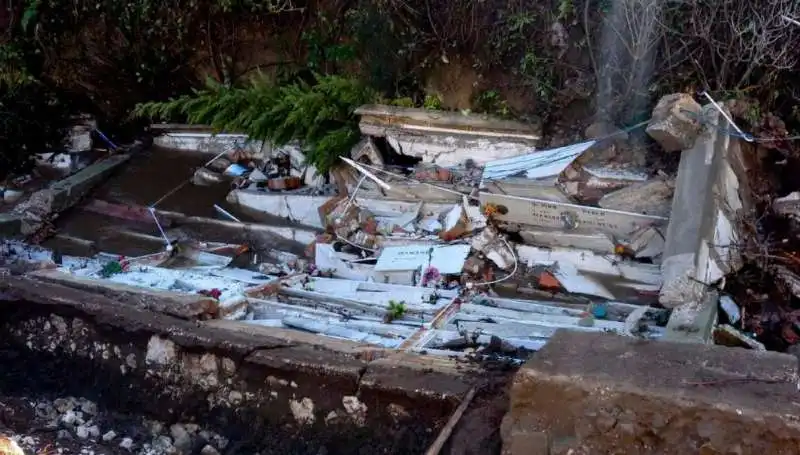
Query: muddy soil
[(478, 431), (152, 174)]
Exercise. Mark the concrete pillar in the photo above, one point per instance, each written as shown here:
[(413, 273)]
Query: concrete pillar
[(700, 246)]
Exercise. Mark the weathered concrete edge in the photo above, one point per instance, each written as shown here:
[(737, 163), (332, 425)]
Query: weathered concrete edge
[(181, 305), (601, 393), (379, 370), (67, 192), (375, 117)]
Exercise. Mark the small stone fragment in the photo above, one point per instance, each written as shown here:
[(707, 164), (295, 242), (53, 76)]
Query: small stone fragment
[(82, 432), (209, 450), (653, 197), (94, 431), (110, 435), (126, 443), (69, 418)]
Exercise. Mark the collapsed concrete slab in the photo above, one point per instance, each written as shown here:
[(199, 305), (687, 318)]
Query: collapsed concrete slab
[(446, 138), (598, 393)]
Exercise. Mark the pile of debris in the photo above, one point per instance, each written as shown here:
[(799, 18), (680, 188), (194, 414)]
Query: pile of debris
[(483, 245), (764, 300)]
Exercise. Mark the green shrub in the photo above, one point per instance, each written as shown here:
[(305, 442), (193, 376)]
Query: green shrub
[(318, 114)]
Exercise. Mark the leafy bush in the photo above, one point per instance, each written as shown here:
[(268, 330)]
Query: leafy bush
[(32, 118), (318, 114)]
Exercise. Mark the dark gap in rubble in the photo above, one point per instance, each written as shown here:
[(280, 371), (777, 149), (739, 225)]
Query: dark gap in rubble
[(392, 157), (768, 312), (762, 288)]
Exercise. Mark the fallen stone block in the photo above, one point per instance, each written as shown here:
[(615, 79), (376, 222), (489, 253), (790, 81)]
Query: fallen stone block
[(597, 393), (653, 197), (675, 122)]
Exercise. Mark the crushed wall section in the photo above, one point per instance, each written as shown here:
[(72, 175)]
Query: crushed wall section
[(298, 397)]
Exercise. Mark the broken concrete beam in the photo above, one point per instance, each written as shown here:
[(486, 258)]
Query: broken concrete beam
[(208, 142), (185, 306), (653, 197), (293, 239), (376, 119), (445, 138), (69, 191), (588, 185), (292, 382), (567, 217), (593, 393), (693, 322), (675, 122), (702, 237), (684, 232)]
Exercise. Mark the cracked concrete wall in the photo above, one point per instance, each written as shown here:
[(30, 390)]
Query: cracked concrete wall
[(172, 368)]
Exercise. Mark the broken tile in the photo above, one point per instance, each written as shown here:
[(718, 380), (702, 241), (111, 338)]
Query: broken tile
[(647, 243), (489, 242)]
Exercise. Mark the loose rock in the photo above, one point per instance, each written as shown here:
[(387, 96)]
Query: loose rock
[(675, 122)]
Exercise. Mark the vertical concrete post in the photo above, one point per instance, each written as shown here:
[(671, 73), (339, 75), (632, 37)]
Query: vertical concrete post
[(701, 231)]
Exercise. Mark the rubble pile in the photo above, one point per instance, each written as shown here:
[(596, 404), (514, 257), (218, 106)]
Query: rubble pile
[(765, 295), (462, 255), (78, 425)]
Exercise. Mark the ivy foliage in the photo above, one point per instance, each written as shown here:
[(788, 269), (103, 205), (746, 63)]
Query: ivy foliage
[(319, 114)]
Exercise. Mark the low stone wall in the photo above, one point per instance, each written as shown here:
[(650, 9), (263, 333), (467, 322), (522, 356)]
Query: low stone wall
[(588, 393), (291, 392)]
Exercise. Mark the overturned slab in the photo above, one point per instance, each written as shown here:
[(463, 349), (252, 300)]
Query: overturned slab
[(569, 217), (589, 393), (447, 138)]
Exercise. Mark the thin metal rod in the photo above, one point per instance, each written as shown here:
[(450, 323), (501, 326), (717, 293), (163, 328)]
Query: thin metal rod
[(226, 213), (169, 193), (105, 138), (218, 156), (353, 196), (367, 173), (174, 190), (160, 229), (744, 135)]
